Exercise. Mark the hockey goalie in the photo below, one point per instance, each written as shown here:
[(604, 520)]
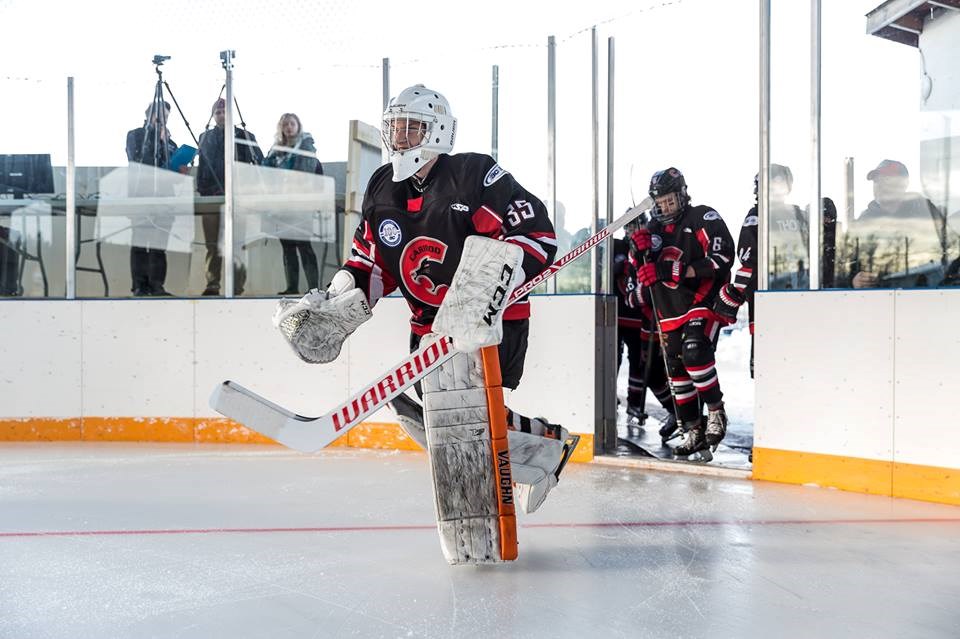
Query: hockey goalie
[(455, 234)]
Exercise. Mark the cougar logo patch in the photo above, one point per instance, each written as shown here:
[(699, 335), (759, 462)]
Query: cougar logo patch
[(390, 233), (494, 174), (420, 257), (711, 215), (752, 220), (655, 242), (456, 206)]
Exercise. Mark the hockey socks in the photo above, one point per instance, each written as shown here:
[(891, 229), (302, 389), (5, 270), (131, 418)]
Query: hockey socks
[(535, 426)]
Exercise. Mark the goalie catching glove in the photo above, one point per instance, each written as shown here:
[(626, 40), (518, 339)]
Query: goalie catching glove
[(472, 309), (317, 324)]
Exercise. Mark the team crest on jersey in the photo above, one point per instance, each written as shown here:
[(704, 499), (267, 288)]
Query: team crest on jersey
[(494, 174), (711, 215), (418, 260), (390, 233), (456, 206), (752, 220), (656, 242)]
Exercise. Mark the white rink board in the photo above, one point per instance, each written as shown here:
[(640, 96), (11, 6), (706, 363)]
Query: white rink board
[(824, 365), (379, 343), (163, 358), (236, 340), (928, 384), (137, 358), (558, 376), (40, 359)]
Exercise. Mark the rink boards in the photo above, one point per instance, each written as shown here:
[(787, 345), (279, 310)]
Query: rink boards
[(854, 389), (143, 370), (857, 390)]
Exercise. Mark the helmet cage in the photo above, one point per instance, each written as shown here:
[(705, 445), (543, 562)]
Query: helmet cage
[(669, 182), (416, 127)]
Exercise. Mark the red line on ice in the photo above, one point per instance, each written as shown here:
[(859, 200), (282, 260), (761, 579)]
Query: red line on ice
[(602, 524)]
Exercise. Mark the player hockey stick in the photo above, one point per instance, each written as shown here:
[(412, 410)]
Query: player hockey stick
[(310, 434)]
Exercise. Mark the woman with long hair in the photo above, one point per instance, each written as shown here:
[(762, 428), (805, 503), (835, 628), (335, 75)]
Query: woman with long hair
[(295, 150)]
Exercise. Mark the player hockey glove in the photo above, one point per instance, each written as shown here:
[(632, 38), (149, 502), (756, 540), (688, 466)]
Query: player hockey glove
[(663, 271), (641, 241), (728, 303)]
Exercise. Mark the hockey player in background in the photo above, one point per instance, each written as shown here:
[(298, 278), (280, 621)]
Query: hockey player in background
[(684, 257), (637, 335), (741, 290), (418, 212)]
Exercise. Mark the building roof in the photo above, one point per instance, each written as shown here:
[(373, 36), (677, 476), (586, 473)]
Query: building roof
[(902, 20)]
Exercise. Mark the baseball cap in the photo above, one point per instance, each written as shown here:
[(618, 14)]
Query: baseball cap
[(889, 168)]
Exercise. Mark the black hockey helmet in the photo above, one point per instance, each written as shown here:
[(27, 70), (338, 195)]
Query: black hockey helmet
[(663, 183)]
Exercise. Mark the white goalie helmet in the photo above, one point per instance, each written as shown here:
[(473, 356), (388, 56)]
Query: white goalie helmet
[(417, 127)]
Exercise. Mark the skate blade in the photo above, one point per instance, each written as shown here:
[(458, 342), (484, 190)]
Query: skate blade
[(569, 446), (700, 457), (676, 435)]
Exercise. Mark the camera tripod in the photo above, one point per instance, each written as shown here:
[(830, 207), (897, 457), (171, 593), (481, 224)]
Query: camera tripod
[(158, 111)]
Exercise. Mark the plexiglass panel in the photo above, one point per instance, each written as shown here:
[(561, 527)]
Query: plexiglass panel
[(890, 129), (32, 156)]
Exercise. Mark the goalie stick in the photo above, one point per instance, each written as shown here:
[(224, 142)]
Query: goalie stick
[(310, 434)]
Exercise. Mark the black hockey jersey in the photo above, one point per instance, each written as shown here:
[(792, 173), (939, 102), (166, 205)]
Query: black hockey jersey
[(412, 240), (745, 279), (699, 239), (624, 284)]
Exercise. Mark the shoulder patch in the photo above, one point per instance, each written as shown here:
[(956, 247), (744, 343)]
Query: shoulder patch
[(752, 220), (711, 215), (494, 174), (390, 233)]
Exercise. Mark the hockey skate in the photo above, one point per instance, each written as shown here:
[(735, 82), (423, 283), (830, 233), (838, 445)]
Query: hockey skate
[(410, 416), (636, 411), (669, 431), (716, 427), (537, 462), (694, 446)]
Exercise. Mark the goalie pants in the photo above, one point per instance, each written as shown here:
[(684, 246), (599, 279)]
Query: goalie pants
[(691, 367), (513, 352)]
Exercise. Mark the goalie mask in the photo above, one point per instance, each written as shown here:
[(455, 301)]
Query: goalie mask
[(668, 189), (417, 127)]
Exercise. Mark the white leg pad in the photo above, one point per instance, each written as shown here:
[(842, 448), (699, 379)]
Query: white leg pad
[(461, 461)]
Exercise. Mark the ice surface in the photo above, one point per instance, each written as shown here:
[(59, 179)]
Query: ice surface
[(247, 541)]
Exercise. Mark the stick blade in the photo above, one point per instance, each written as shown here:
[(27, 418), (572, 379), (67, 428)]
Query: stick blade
[(306, 434)]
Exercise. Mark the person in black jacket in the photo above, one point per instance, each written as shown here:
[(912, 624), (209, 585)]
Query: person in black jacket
[(294, 150), (210, 181), (149, 145), (637, 334), (900, 240)]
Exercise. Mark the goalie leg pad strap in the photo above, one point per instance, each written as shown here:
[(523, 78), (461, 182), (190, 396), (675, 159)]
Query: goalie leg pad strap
[(462, 464)]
